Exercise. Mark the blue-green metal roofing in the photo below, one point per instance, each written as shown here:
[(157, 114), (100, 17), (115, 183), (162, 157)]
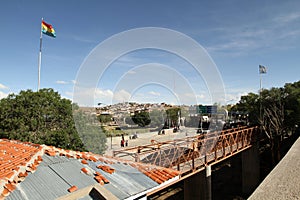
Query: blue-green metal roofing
[(55, 175), (125, 181), (53, 180)]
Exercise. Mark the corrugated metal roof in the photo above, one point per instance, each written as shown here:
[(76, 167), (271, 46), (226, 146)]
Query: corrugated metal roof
[(71, 173), (131, 180), (49, 160), (117, 191), (43, 184), (16, 195), (56, 170), (53, 180)]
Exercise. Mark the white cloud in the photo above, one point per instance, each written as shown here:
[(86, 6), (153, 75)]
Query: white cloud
[(131, 72), (233, 96), (61, 82), (276, 31), (3, 86), (68, 95), (154, 93), (99, 93), (92, 96), (287, 18), (200, 96), (82, 39), (3, 95), (121, 96)]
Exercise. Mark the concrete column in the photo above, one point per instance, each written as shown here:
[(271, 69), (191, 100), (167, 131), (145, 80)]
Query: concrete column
[(208, 195), (198, 186), (194, 186), (250, 169)]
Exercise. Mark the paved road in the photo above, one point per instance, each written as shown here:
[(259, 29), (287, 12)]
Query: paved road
[(145, 138)]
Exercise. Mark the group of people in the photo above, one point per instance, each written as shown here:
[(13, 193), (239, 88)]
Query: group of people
[(124, 142)]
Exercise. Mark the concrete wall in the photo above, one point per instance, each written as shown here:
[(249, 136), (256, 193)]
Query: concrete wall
[(241, 178), (198, 186), (250, 169), (284, 180)]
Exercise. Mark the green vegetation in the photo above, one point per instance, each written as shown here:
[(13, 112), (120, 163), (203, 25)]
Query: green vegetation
[(113, 131), (277, 111), (157, 118), (105, 118), (142, 118), (41, 117), (173, 115), (92, 135)]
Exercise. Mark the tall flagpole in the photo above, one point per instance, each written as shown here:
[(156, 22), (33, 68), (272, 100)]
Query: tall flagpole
[(40, 58), (260, 102)]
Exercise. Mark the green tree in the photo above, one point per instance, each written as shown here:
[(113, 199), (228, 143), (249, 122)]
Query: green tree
[(173, 116), (273, 120), (249, 104), (157, 118), (277, 111), (141, 118), (104, 118), (128, 120), (41, 117), (91, 134), (292, 105)]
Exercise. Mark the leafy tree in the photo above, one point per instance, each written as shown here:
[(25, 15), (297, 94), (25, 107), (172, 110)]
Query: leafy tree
[(141, 118), (157, 118), (249, 104), (41, 117), (105, 118), (277, 111), (128, 120), (173, 116), (292, 105), (91, 134), (273, 120)]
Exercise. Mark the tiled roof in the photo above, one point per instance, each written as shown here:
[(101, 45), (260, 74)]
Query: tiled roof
[(40, 171)]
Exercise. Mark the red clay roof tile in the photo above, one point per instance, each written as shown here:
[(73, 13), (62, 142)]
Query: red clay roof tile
[(10, 187), (23, 174), (86, 171), (92, 158), (62, 154), (84, 156), (84, 162), (107, 169), (50, 153), (5, 192), (72, 189), (100, 178)]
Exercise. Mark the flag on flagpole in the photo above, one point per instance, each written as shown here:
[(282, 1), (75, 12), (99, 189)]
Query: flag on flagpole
[(48, 29), (262, 69)]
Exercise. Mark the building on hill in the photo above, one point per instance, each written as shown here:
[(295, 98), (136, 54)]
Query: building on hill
[(32, 171)]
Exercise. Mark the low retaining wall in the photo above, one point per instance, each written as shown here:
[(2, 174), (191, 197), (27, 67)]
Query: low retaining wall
[(283, 181)]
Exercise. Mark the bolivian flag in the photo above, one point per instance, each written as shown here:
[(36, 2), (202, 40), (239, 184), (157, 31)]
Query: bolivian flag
[(48, 29)]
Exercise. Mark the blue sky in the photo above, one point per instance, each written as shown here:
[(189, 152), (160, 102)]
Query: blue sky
[(237, 35)]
